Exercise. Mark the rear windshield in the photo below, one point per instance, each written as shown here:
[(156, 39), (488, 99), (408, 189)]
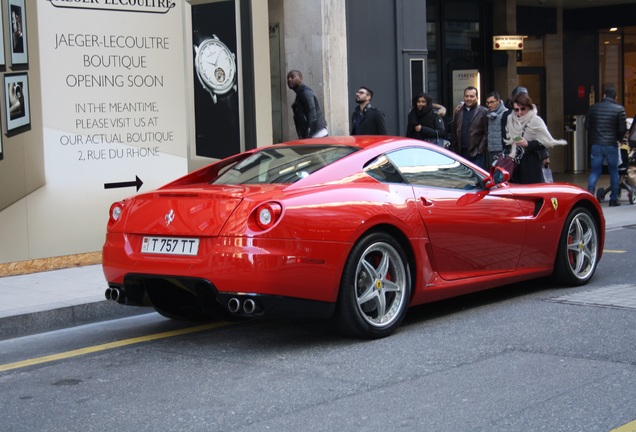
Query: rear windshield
[(281, 164)]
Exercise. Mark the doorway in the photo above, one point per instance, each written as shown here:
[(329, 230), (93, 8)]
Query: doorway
[(533, 78)]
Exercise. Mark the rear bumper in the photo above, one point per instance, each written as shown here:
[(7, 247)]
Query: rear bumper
[(174, 294), (309, 270)]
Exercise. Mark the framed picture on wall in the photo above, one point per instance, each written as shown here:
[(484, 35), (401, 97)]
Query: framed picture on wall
[(16, 91), (2, 61), (16, 12)]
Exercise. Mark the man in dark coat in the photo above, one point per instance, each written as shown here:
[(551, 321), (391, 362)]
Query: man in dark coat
[(606, 126), (469, 135), (308, 117), (367, 119)]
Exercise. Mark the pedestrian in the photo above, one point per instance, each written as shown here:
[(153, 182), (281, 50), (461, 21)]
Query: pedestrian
[(423, 122), (367, 119), (469, 134), (526, 137), (544, 154), (606, 125), (308, 117), (496, 110)]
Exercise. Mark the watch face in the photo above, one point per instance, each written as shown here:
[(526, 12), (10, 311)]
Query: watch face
[(216, 66)]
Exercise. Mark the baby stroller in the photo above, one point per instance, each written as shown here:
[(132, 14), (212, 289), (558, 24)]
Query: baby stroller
[(627, 155)]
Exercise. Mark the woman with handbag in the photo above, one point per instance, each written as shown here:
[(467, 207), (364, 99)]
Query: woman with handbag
[(526, 139), (423, 121)]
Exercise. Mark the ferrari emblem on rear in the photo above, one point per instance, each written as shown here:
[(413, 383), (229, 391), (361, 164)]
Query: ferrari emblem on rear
[(555, 203), (169, 217)]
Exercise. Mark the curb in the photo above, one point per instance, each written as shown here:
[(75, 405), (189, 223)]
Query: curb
[(64, 317)]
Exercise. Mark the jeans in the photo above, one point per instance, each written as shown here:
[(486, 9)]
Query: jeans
[(599, 154)]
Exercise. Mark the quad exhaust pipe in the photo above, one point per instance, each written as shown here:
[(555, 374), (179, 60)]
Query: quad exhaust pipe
[(234, 305), (115, 294), (247, 307)]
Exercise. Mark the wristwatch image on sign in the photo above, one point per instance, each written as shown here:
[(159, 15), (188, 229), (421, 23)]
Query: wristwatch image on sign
[(216, 67)]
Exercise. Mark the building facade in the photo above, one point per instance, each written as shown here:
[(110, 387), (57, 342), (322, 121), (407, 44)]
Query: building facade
[(114, 102)]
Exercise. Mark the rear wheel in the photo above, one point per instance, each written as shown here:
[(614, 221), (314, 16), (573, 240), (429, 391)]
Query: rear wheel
[(375, 289), (578, 253)]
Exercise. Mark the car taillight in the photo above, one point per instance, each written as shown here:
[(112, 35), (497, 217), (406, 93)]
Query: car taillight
[(267, 214), (116, 210)]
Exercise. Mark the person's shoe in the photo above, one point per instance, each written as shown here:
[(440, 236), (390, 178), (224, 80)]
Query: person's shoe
[(614, 204)]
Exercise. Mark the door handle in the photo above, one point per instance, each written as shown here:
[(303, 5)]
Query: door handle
[(426, 202)]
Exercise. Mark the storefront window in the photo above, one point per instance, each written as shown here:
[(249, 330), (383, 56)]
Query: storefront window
[(630, 71), (611, 62), (462, 35)]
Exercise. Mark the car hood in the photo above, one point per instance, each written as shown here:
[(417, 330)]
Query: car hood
[(188, 211)]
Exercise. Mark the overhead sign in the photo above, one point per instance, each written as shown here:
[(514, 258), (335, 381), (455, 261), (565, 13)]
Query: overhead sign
[(507, 42)]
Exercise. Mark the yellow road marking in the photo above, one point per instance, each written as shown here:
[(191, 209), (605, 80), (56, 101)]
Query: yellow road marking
[(111, 345), (629, 427), (613, 251)]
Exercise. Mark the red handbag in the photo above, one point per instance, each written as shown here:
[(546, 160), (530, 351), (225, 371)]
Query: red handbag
[(506, 162)]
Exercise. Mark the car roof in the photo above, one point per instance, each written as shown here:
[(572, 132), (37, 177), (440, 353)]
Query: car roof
[(361, 141)]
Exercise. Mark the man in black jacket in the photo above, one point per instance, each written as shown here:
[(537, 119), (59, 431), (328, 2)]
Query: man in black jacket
[(308, 117), (367, 119), (606, 125), (469, 135)]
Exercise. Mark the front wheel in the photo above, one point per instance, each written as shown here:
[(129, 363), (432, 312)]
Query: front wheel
[(375, 288), (578, 253)]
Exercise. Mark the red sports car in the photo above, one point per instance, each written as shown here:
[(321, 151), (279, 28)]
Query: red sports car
[(355, 229)]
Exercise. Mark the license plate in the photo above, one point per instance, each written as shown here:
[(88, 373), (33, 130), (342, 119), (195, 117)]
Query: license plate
[(170, 245)]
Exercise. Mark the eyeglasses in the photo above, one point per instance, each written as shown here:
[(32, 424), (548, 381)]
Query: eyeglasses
[(522, 109)]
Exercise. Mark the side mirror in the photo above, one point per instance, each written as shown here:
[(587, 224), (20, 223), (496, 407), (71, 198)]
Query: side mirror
[(497, 176)]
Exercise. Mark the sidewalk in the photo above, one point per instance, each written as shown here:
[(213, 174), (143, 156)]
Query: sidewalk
[(51, 300)]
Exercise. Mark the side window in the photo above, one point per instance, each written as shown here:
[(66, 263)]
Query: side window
[(425, 167), (383, 170)]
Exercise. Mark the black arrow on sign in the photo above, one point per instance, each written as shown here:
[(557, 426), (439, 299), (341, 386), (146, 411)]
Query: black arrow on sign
[(136, 183)]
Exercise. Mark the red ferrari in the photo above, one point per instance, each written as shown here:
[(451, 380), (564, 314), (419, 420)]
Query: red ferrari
[(354, 229)]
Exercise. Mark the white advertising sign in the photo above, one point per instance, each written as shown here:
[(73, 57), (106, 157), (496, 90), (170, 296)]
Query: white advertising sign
[(462, 79), (113, 106)]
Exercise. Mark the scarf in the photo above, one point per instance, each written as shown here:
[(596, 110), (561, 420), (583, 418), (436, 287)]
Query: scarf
[(532, 128), (426, 117)]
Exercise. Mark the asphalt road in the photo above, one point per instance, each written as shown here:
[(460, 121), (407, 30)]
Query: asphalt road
[(517, 358)]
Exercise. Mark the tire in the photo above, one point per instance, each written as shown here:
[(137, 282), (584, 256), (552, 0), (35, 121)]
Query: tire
[(578, 252), (375, 289)]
